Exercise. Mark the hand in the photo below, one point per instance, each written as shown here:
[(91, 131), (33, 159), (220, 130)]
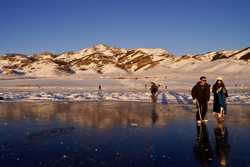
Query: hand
[(224, 90), (218, 90)]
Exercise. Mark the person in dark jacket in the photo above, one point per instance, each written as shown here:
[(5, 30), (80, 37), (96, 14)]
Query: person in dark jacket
[(201, 95), (154, 89), (220, 94)]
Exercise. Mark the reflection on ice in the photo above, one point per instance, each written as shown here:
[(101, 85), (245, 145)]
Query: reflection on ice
[(122, 134), (53, 132), (102, 115), (222, 144), (202, 148)]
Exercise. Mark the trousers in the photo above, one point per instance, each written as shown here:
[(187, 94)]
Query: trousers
[(202, 110)]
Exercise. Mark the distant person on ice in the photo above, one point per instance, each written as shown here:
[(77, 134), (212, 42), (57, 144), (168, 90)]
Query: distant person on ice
[(164, 96), (220, 94), (154, 90), (100, 93), (201, 95)]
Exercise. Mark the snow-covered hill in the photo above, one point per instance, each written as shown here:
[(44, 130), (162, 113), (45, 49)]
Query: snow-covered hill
[(102, 59)]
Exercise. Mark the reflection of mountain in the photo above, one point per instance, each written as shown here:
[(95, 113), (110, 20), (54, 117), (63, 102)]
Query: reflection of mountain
[(90, 114), (106, 114)]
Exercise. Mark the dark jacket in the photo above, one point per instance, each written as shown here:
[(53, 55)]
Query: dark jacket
[(220, 95), (154, 89), (201, 92)]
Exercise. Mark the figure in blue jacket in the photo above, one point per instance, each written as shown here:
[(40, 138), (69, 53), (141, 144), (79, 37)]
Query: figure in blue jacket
[(220, 94)]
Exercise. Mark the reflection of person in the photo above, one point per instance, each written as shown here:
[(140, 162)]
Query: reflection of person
[(202, 148), (222, 145), (201, 95), (154, 115), (220, 94)]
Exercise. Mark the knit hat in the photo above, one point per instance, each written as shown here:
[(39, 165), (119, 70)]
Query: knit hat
[(219, 78)]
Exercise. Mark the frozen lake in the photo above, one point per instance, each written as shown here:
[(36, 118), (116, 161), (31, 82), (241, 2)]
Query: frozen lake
[(64, 134)]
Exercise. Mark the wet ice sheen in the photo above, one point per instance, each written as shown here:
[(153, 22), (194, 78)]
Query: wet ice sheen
[(119, 134)]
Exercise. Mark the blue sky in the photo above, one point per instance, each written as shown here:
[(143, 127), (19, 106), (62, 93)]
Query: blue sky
[(180, 26)]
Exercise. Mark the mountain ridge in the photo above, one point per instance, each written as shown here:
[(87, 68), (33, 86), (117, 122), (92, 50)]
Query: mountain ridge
[(104, 59)]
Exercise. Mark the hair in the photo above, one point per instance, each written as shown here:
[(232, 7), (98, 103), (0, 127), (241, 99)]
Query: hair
[(202, 77), (216, 85)]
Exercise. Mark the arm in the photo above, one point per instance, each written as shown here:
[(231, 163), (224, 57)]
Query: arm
[(214, 89), (225, 92), (193, 92), (208, 92)]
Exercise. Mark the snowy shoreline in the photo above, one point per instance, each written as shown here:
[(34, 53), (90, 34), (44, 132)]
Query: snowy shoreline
[(139, 96)]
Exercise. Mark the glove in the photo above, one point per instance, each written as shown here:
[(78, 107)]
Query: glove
[(218, 90)]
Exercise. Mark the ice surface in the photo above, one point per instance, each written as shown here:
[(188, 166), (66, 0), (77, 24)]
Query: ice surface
[(172, 97)]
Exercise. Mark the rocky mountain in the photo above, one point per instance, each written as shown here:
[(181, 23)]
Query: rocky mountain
[(103, 59)]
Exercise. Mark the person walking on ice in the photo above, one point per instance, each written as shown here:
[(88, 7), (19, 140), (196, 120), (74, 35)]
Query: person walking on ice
[(100, 93), (220, 94), (163, 95), (201, 95), (154, 92)]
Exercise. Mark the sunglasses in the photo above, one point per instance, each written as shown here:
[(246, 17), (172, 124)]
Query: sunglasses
[(204, 80)]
